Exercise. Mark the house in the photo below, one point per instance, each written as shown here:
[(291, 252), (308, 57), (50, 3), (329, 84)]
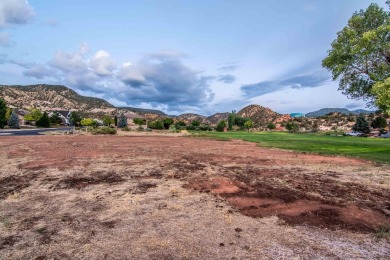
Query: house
[(130, 120), (21, 113), (63, 114)]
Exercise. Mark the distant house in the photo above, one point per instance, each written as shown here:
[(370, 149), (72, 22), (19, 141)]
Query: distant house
[(130, 120), (63, 114), (21, 113), (297, 115)]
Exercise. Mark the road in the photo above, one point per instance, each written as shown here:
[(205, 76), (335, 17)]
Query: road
[(35, 131)]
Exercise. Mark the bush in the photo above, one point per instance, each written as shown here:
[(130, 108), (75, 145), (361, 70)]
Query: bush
[(157, 124), (221, 126), (167, 122), (195, 123), (122, 121), (104, 131), (271, 126), (361, 124), (126, 128), (180, 125), (292, 127), (44, 121), (140, 128), (379, 122), (190, 127)]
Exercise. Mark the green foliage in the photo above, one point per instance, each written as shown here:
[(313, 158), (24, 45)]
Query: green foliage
[(13, 121), (74, 118), (195, 123), (361, 124), (271, 126), (122, 121), (221, 126), (34, 115), (240, 121), (167, 122), (360, 56), (55, 118), (3, 111), (115, 120), (107, 120), (248, 125), (375, 149), (180, 125), (292, 127), (138, 121), (43, 121), (106, 130), (157, 124), (88, 122), (8, 113), (231, 119), (379, 122)]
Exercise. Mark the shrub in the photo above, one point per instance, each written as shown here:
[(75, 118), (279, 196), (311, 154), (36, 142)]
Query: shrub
[(44, 121), (195, 123), (190, 127), (271, 126), (107, 120), (104, 131), (292, 127), (221, 126), (88, 122), (180, 124), (74, 119), (379, 122), (157, 124), (122, 121), (248, 124), (167, 122)]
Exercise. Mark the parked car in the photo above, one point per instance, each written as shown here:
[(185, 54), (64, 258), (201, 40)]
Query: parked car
[(354, 133)]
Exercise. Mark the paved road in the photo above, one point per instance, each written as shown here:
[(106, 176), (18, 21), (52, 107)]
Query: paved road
[(20, 132)]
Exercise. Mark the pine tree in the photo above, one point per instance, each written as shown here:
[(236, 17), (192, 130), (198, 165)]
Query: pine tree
[(44, 121), (122, 122), (3, 111), (13, 121), (361, 124)]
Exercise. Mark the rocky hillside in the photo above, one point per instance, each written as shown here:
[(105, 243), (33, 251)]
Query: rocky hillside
[(260, 116), (143, 111), (214, 119), (53, 97), (324, 111), (189, 117)]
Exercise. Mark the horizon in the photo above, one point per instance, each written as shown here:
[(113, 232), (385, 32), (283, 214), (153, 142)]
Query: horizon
[(193, 57)]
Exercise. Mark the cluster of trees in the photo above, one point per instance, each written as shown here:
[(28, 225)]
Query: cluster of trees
[(238, 121)]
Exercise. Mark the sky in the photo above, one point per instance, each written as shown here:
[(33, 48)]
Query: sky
[(203, 56)]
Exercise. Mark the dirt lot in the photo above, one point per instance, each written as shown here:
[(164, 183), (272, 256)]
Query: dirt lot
[(165, 197)]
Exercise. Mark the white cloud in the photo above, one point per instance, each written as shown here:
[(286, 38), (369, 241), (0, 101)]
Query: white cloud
[(14, 12), (102, 64)]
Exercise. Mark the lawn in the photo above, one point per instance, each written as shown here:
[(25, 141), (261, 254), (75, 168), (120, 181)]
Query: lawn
[(374, 149)]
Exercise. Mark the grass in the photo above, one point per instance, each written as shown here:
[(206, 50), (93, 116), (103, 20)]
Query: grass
[(374, 149)]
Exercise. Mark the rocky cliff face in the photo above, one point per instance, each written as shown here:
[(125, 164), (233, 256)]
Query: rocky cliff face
[(53, 97), (214, 119), (189, 117), (260, 116)]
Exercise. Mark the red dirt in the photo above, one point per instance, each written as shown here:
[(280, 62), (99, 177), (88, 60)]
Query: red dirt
[(239, 171)]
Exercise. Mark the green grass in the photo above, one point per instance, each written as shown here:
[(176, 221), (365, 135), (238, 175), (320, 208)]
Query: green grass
[(374, 149)]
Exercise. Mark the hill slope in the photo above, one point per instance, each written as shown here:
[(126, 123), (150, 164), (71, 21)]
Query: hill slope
[(52, 97), (345, 111), (260, 116)]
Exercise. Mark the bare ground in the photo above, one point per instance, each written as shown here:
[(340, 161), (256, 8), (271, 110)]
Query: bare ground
[(165, 197)]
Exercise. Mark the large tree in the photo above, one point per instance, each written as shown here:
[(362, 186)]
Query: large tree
[(360, 56)]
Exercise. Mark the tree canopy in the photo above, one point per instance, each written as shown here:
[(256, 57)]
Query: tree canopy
[(3, 111), (360, 56)]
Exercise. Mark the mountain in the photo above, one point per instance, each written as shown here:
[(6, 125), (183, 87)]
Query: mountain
[(53, 97), (345, 111), (189, 117), (214, 119), (260, 116), (143, 111)]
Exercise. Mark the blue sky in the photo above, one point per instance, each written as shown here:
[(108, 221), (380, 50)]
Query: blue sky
[(179, 56)]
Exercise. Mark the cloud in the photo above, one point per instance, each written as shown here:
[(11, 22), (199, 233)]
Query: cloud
[(52, 23), (15, 12), (311, 80), (165, 79), (229, 67), (5, 40), (227, 79), (39, 71), (102, 64), (4, 59), (355, 105)]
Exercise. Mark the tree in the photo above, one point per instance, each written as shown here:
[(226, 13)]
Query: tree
[(3, 111), (138, 121), (55, 118), (292, 127), (107, 120), (115, 120), (221, 126), (13, 121), (231, 120), (75, 118), (271, 126), (379, 122), (360, 56), (122, 121), (248, 125), (33, 115), (361, 124), (240, 121), (43, 121), (88, 122), (167, 122), (8, 113), (195, 123), (180, 124), (156, 124)]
